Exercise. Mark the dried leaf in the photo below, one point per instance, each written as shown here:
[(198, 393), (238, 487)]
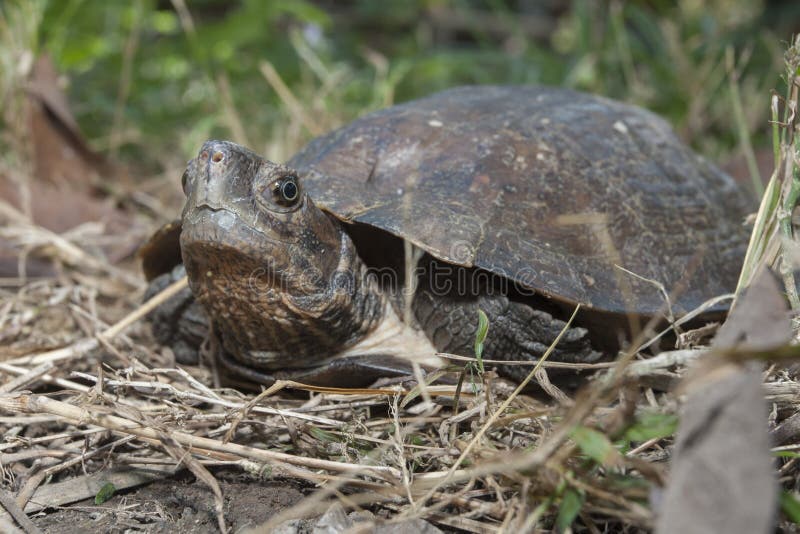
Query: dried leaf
[(722, 475)]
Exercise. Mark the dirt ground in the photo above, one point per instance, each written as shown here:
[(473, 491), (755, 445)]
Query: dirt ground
[(177, 504)]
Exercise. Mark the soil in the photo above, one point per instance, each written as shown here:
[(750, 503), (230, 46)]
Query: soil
[(177, 504)]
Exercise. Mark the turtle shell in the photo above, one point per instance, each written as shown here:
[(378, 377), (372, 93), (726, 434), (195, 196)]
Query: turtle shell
[(581, 198)]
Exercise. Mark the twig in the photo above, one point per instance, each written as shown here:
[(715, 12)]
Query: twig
[(76, 415), (17, 513), (27, 378), (46, 378), (83, 346), (289, 100), (123, 90), (161, 388), (530, 363), (65, 250)]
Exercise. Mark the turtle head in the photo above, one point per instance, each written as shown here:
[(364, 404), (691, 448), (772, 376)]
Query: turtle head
[(248, 214), (279, 277)]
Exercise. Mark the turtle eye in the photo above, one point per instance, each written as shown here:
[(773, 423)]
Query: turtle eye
[(286, 191)]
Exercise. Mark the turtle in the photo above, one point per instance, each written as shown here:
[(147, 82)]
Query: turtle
[(377, 245)]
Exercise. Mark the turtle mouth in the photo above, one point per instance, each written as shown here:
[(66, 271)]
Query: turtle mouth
[(222, 226), (217, 240)]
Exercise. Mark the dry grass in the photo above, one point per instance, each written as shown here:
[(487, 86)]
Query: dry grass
[(404, 455)]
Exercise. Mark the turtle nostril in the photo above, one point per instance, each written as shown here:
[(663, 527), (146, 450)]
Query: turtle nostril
[(217, 157)]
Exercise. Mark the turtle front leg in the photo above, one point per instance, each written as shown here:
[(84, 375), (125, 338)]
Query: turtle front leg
[(181, 322), (516, 331)]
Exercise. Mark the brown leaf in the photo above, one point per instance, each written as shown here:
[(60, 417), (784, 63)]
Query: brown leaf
[(62, 192), (722, 477), (760, 320), (61, 154)]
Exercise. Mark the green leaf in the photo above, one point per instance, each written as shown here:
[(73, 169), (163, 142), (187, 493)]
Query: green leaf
[(790, 506), (416, 440), (164, 22), (480, 337), (571, 503), (322, 435), (652, 425), (105, 493), (595, 445)]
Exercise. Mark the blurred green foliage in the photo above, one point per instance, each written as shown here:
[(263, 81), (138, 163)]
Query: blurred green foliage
[(155, 78)]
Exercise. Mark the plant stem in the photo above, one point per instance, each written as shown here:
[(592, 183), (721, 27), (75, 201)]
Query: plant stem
[(741, 125), (790, 151)]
